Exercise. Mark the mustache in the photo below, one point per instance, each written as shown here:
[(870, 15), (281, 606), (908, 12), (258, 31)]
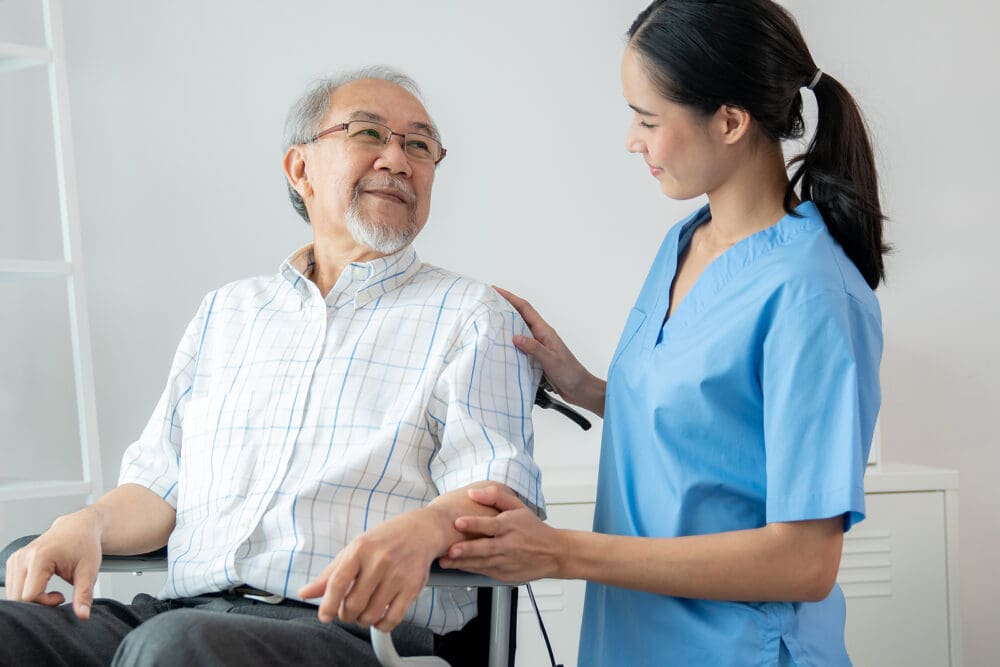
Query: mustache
[(386, 182)]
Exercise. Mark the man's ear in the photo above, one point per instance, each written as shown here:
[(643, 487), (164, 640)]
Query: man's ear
[(732, 123), (294, 164)]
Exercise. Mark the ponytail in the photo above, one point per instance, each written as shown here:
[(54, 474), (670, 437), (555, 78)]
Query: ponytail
[(837, 173)]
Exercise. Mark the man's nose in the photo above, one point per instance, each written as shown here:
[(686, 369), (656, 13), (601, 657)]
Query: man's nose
[(393, 158)]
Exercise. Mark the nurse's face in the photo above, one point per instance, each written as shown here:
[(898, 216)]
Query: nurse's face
[(677, 143)]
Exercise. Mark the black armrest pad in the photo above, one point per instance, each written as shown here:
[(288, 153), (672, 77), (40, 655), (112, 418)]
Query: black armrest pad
[(159, 554), (8, 551)]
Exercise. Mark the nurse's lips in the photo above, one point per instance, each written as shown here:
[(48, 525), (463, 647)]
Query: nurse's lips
[(655, 171)]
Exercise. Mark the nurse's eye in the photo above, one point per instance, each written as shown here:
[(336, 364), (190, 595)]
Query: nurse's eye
[(646, 125)]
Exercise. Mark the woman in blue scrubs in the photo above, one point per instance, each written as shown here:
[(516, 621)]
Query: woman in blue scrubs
[(740, 403)]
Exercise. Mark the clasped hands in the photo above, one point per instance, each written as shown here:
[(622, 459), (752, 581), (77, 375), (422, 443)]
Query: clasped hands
[(512, 546), (375, 579)]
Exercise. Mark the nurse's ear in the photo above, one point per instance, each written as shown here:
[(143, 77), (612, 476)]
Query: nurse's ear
[(730, 124)]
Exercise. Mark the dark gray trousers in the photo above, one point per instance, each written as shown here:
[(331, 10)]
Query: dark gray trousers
[(210, 630)]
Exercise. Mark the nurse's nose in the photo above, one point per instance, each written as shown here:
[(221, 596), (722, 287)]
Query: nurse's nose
[(633, 144)]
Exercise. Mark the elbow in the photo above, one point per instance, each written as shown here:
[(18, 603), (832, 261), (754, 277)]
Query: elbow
[(813, 549), (820, 575), (819, 586)]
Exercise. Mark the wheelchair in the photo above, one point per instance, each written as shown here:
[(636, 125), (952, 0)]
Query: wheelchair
[(488, 639)]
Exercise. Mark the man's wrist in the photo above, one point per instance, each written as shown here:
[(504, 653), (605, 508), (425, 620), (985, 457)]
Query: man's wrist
[(438, 525), (90, 518)]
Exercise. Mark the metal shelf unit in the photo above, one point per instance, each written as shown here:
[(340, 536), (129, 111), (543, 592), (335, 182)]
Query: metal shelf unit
[(51, 57)]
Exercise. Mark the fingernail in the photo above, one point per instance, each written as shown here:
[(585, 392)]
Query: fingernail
[(83, 609), (461, 524), (456, 552)]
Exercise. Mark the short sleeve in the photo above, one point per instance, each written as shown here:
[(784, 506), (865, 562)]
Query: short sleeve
[(481, 409), (153, 461), (821, 395)]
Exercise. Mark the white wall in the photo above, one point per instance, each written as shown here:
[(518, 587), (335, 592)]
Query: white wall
[(178, 107)]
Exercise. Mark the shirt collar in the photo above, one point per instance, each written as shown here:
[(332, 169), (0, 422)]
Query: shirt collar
[(361, 281)]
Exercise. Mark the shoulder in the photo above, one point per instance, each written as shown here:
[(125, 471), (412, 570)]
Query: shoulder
[(463, 298), (461, 290), (810, 267)]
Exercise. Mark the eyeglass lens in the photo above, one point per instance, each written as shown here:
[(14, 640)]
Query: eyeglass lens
[(417, 146)]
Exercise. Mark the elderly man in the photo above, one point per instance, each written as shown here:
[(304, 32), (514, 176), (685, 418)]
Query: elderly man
[(317, 435)]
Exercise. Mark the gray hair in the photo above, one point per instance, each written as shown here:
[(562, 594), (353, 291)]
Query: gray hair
[(307, 114)]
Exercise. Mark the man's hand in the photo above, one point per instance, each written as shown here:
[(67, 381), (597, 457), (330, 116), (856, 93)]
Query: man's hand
[(376, 577), (71, 549)]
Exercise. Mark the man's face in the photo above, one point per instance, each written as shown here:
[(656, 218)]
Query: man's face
[(380, 196)]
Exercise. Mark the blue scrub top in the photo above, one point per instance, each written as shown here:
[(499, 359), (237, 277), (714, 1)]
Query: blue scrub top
[(754, 403)]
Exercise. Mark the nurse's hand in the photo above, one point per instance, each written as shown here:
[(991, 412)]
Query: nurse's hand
[(565, 373), (516, 544)]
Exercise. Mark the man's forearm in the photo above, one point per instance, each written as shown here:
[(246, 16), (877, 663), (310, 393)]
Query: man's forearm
[(131, 519)]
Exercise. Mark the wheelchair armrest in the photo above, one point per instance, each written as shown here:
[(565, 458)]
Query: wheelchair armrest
[(154, 561), (441, 577), (8, 551)]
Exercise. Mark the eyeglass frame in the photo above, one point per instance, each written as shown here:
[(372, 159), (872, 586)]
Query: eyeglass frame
[(392, 133)]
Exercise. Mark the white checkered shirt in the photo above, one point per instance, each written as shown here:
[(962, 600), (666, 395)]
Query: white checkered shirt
[(291, 424)]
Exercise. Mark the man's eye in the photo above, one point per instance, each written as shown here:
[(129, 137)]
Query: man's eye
[(369, 134), (417, 144)]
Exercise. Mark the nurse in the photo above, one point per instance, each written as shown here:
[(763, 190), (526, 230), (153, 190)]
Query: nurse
[(741, 400)]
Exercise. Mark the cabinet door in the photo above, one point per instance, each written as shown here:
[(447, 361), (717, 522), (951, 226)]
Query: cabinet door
[(893, 573), (559, 601)]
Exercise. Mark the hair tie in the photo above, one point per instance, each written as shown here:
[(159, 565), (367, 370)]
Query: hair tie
[(815, 79)]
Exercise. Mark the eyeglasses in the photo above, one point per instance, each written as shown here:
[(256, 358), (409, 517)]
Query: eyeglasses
[(366, 133)]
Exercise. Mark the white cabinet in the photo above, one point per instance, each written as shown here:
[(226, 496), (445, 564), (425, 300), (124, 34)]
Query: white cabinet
[(898, 571)]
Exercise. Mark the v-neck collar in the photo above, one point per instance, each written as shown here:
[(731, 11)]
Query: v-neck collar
[(724, 268)]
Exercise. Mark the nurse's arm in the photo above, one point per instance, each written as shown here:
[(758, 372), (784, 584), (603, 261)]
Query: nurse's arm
[(795, 561)]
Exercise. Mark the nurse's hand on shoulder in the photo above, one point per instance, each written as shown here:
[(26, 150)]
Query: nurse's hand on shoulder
[(515, 545), (564, 372)]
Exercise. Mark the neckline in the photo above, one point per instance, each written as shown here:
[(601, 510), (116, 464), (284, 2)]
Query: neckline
[(724, 268)]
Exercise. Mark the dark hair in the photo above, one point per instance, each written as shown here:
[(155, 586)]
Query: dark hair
[(750, 54)]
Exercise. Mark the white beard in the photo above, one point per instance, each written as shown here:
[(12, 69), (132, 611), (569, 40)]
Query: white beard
[(374, 234)]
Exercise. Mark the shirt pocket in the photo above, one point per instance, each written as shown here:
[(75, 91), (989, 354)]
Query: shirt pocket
[(632, 325)]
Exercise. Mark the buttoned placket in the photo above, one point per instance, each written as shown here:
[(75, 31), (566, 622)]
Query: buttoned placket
[(311, 319)]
